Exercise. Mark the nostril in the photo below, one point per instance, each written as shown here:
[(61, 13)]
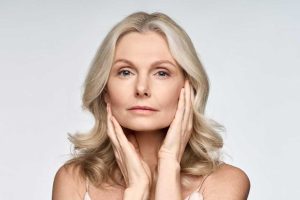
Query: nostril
[(142, 94)]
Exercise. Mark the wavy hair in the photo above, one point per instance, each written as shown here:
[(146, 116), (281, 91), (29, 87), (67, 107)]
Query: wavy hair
[(93, 151)]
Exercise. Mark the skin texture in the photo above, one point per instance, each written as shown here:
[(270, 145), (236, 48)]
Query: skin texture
[(148, 142)]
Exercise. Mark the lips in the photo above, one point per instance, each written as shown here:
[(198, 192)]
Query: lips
[(142, 108)]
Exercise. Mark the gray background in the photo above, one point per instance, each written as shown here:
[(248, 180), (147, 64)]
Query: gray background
[(250, 50)]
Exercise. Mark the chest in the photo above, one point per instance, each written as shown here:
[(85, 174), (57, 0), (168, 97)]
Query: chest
[(117, 193)]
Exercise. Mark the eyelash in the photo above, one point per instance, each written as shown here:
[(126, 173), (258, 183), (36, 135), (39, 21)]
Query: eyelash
[(166, 74)]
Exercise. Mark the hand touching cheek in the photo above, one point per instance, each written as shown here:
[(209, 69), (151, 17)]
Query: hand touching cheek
[(135, 171), (181, 127)]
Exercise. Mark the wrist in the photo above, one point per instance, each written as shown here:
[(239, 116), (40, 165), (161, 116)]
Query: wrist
[(166, 154), (168, 163), (139, 192)]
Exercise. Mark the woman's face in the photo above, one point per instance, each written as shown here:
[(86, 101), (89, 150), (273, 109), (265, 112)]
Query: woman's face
[(144, 73)]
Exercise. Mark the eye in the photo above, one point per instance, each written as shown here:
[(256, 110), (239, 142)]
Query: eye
[(124, 73), (163, 74)]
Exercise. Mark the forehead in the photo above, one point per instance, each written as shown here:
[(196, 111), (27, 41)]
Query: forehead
[(143, 46)]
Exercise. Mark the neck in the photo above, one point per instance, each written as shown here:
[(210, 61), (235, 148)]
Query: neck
[(149, 144)]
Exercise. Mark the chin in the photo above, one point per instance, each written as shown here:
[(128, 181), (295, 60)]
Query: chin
[(144, 126)]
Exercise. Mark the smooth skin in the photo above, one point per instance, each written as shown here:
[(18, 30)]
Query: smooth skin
[(148, 148)]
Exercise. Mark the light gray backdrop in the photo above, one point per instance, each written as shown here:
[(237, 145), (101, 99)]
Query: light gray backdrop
[(250, 50)]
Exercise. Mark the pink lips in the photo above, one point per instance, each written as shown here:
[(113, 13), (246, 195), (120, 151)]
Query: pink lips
[(142, 108)]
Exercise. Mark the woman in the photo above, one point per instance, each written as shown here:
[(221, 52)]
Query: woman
[(147, 91)]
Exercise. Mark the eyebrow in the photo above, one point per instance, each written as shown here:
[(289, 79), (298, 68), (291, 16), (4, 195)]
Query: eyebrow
[(154, 63)]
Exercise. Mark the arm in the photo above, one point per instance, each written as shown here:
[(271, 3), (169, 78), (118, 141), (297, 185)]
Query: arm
[(168, 184), (140, 192), (168, 181), (227, 183)]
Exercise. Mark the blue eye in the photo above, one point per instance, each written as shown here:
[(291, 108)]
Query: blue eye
[(124, 73), (127, 73), (163, 74)]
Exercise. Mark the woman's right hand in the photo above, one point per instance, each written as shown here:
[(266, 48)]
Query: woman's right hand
[(135, 171)]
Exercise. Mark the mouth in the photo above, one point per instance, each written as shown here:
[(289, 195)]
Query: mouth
[(145, 108), (142, 110)]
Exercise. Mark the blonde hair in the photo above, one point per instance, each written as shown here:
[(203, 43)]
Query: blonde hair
[(93, 150)]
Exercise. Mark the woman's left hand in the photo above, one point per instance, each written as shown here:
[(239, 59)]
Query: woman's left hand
[(181, 127)]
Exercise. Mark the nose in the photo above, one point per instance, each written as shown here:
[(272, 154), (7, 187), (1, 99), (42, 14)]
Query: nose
[(142, 87)]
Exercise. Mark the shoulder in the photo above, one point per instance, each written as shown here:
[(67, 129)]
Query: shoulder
[(68, 183), (227, 182)]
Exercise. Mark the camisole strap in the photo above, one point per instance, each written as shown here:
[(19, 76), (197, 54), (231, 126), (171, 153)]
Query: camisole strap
[(86, 195), (200, 186), (86, 185)]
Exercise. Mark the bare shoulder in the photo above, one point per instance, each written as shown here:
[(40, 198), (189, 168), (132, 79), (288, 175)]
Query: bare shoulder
[(68, 183), (227, 182)]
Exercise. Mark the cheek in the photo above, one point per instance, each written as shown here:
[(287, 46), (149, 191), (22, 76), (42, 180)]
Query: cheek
[(164, 97), (117, 103), (169, 103), (170, 97), (118, 96), (115, 91)]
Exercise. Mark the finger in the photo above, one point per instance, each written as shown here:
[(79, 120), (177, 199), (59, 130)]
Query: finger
[(111, 134), (180, 109), (116, 145), (174, 133), (114, 134), (187, 106), (190, 125), (120, 138), (110, 128), (122, 166), (127, 149), (119, 132)]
